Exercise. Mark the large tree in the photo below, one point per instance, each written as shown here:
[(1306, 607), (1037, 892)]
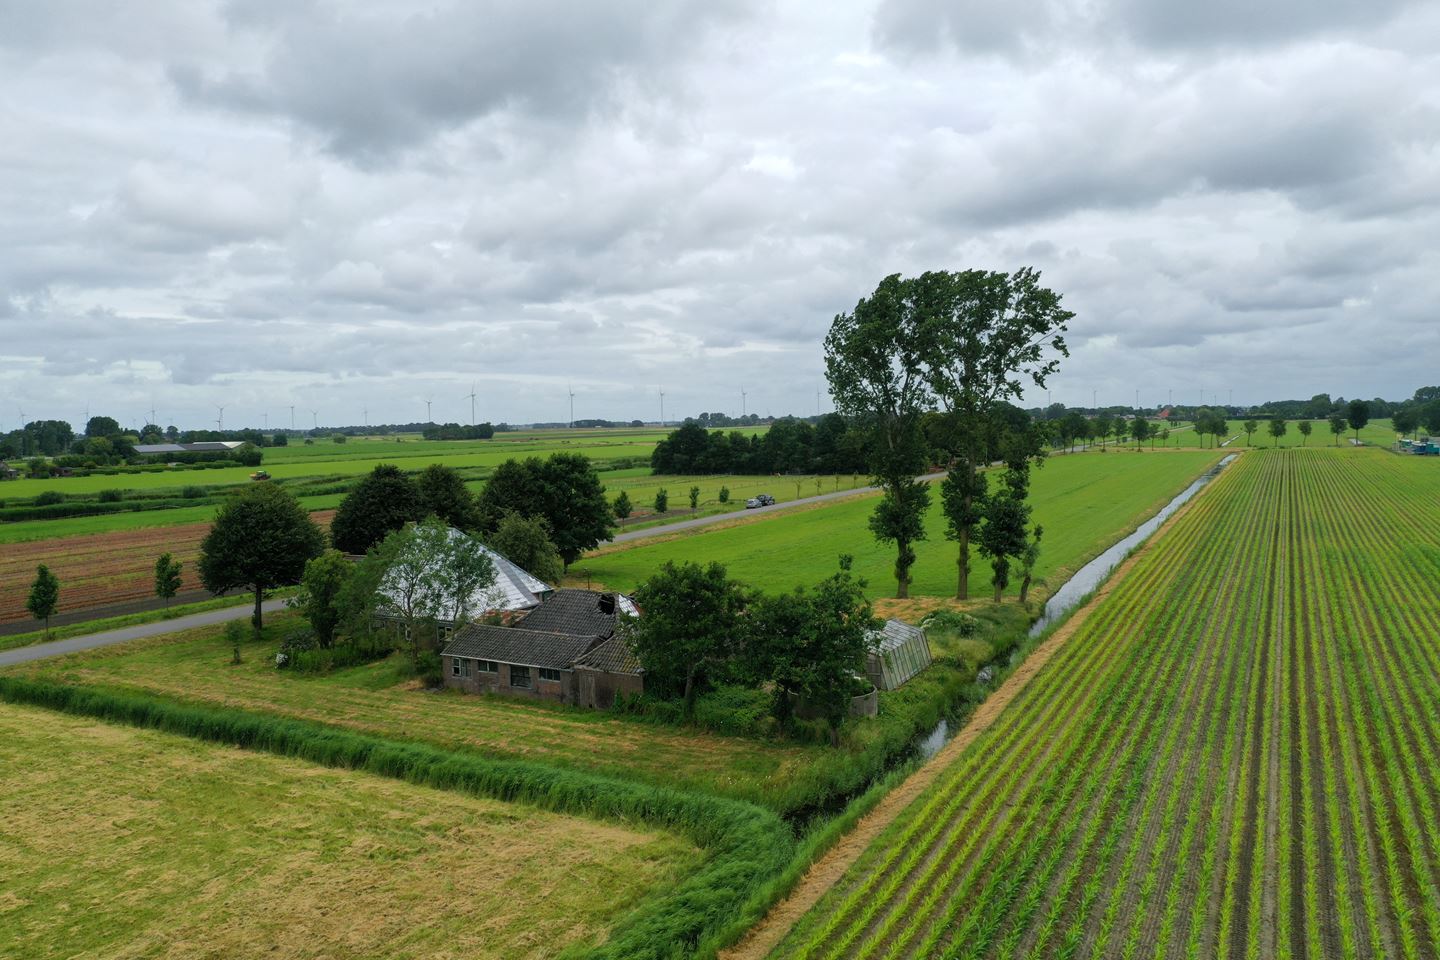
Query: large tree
[(427, 573), (383, 501), (442, 493), (565, 490), (1140, 430), (1304, 426), (986, 337), (1357, 414), (1405, 420), (874, 362), (1250, 427), (1430, 417), (691, 627), (167, 577), (261, 539)]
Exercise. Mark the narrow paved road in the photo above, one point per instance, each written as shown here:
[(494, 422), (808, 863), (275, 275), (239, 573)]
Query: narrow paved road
[(205, 618), (679, 525)]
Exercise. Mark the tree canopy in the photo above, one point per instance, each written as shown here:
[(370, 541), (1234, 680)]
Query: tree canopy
[(384, 501), (261, 539), (442, 493), (565, 490), (525, 541)]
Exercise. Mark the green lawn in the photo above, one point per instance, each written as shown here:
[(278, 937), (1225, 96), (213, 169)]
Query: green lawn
[(121, 842), (1085, 502), (1377, 433)]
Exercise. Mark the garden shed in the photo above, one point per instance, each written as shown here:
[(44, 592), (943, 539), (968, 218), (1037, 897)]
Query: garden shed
[(902, 652)]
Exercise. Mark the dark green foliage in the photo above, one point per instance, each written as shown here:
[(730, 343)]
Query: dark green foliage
[(789, 446), (724, 495), (1430, 416), (746, 845), (526, 541), (48, 498), (249, 455), (622, 506), (694, 497), (167, 577), (1304, 426), (899, 518), (1002, 537), (565, 490), (1250, 427), (1406, 420), (102, 427), (443, 494), (111, 496), (1277, 429), (192, 492), (322, 586), (662, 500), (691, 627), (1357, 414), (384, 501), (1337, 427), (260, 540), (44, 595)]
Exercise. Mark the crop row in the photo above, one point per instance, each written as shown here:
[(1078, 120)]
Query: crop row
[(1230, 758)]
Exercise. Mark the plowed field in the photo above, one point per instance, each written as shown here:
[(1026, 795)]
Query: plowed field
[(1233, 756), (103, 568)]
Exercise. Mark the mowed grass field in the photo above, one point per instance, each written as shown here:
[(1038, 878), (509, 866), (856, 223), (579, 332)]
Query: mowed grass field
[(1085, 501), (1233, 756), (121, 842), (194, 666)]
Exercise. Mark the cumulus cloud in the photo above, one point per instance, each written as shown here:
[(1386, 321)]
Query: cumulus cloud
[(344, 205)]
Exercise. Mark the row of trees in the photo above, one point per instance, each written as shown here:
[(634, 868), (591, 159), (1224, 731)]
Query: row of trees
[(789, 446), (702, 628), (961, 344)]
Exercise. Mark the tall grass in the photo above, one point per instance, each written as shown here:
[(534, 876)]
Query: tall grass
[(746, 845)]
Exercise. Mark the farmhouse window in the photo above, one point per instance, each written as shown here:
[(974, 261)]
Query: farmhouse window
[(520, 676), (547, 674), (459, 667), (487, 666)]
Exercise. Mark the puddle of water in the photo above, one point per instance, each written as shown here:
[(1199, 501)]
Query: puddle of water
[(1088, 577), (931, 745)]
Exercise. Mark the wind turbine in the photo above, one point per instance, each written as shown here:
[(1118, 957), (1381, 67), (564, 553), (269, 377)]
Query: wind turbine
[(662, 407), (817, 403), (292, 416), (266, 417), (427, 411), (471, 395), (570, 389), (743, 396), (152, 414), (220, 423), (315, 419), (365, 412)]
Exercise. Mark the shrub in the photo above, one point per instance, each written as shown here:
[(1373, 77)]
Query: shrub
[(111, 496), (960, 624), (192, 492), (48, 498), (662, 500), (724, 495)]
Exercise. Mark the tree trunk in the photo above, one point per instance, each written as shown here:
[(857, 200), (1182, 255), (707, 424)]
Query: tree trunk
[(999, 593), (902, 571), (255, 620), (962, 587), (1024, 589), (689, 694)]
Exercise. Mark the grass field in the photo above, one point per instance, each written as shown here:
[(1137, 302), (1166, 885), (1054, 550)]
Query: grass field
[(1085, 502), (376, 699), (121, 842), (1231, 757)]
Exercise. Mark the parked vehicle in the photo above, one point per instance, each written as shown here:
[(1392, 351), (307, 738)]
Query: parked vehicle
[(752, 503), (765, 499), (260, 475)]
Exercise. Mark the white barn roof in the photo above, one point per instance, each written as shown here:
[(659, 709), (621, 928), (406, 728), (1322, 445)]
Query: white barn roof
[(514, 589)]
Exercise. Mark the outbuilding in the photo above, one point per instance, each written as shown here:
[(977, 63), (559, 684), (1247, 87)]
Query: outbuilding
[(900, 652)]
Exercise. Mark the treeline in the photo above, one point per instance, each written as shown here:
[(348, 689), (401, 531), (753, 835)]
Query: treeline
[(789, 446), (455, 431)]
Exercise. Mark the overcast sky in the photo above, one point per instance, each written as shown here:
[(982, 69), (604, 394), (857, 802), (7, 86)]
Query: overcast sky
[(342, 205)]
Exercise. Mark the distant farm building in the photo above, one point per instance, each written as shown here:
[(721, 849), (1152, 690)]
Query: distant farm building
[(8, 472), (1424, 447), (566, 649), (202, 446), (901, 652)]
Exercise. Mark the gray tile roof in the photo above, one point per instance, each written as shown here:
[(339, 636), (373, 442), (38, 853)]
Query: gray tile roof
[(529, 648), (578, 612), (612, 656)]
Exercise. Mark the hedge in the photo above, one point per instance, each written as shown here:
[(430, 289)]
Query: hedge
[(745, 845)]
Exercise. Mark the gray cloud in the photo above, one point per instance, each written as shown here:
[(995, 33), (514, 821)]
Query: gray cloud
[(341, 206)]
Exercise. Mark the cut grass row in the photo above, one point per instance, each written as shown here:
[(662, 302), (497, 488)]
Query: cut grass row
[(1228, 759)]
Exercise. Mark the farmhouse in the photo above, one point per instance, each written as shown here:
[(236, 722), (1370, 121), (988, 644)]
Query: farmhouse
[(901, 651), (566, 650), (8, 472)]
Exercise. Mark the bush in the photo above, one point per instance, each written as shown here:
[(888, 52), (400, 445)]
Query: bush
[(192, 492), (960, 624), (111, 496), (724, 495), (662, 500), (49, 498)]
